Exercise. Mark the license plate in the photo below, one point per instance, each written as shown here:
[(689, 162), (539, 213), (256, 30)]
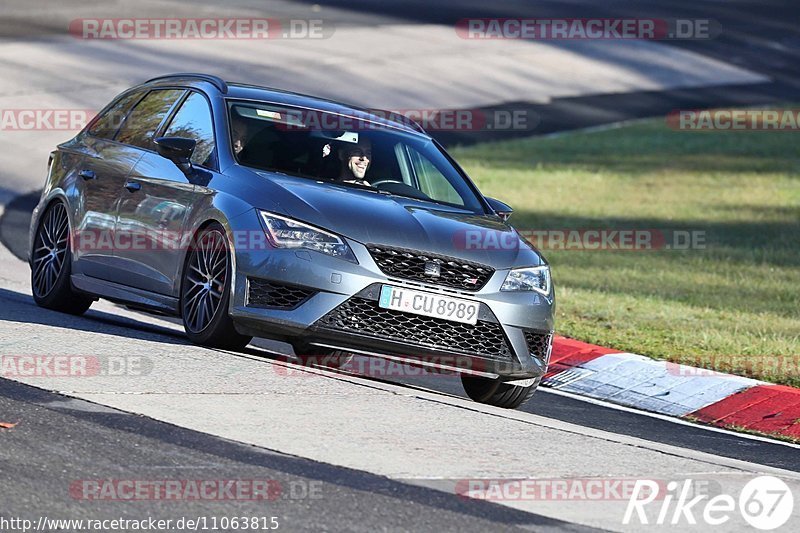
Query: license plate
[(428, 304)]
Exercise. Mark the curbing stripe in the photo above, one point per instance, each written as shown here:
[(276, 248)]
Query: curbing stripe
[(632, 380), (771, 409), (569, 353)]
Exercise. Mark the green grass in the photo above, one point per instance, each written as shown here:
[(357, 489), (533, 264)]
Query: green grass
[(736, 299)]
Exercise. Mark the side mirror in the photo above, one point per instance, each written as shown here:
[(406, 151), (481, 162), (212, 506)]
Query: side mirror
[(503, 210), (179, 150)]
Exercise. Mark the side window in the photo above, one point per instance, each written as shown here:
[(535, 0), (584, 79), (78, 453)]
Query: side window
[(431, 181), (193, 120), (108, 123), (145, 118)]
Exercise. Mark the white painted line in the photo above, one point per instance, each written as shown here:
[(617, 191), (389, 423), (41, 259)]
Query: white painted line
[(557, 391), (666, 418)]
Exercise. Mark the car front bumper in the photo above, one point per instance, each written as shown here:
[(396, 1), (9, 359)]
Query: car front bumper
[(321, 293)]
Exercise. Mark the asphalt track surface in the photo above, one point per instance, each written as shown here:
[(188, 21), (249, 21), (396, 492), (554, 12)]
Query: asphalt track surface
[(70, 440), (60, 439)]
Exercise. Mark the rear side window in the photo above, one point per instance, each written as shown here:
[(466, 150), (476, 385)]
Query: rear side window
[(108, 123), (146, 117), (193, 121)]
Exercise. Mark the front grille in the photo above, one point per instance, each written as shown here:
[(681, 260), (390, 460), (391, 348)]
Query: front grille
[(272, 295), (410, 264), (363, 316), (538, 344)]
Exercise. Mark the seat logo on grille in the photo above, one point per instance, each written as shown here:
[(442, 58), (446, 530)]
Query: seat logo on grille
[(433, 269)]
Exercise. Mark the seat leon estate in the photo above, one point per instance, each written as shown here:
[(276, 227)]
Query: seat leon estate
[(255, 212)]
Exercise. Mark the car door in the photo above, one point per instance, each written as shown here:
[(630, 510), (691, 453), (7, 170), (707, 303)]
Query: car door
[(155, 214), (101, 174), (118, 157)]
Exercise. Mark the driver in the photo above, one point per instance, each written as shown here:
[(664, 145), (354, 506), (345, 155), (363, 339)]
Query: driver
[(239, 134), (355, 160)]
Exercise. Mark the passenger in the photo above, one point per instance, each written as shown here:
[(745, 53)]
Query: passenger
[(239, 135)]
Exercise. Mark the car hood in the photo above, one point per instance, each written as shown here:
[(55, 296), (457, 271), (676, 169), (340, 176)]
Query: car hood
[(394, 221)]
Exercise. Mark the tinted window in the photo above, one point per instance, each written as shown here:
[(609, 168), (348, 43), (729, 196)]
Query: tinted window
[(193, 121), (108, 123), (431, 180), (145, 118), (347, 150)]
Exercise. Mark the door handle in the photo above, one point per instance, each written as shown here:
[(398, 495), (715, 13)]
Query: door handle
[(132, 186), (87, 175)]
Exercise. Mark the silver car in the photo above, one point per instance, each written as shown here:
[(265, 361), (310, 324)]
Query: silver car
[(255, 212)]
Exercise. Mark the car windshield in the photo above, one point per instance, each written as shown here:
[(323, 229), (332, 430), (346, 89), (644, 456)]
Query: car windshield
[(347, 150)]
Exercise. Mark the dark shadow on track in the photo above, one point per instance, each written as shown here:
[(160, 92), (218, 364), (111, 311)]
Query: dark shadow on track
[(20, 308), (165, 438)]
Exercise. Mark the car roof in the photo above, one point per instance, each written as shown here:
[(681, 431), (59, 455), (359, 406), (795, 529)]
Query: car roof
[(245, 91)]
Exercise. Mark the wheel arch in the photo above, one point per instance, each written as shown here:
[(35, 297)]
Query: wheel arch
[(45, 203)]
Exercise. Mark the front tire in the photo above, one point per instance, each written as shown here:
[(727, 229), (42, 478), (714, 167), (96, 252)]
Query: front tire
[(51, 264), (206, 291), (495, 392)]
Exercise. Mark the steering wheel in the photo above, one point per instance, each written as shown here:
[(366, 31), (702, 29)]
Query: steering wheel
[(381, 182)]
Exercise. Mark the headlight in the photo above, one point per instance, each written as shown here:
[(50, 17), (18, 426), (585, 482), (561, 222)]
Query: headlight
[(528, 279), (287, 233)]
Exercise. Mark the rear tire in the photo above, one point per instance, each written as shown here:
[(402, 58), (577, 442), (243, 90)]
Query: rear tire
[(206, 292), (51, 264), (495, 392)]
